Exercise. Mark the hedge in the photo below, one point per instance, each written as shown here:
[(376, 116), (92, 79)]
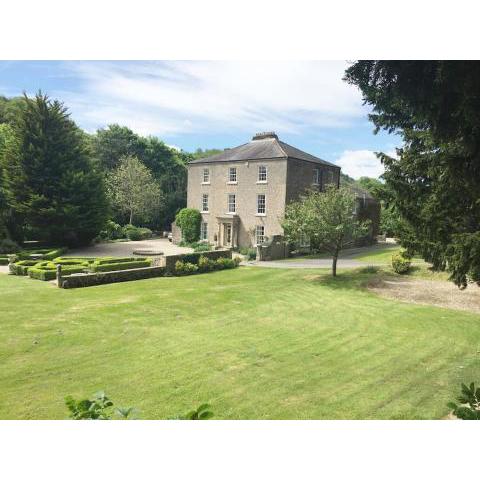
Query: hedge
[(171, 260), (189, 220), (3, 260), (92, 279), (111, 267), (103, 261), (21, 267), (47, 272)]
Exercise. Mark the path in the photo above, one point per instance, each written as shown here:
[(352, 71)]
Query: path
[(125, 249)]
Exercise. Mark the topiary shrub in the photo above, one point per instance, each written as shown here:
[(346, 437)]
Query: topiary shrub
[(189, 220), (400, 264), (185, 268)]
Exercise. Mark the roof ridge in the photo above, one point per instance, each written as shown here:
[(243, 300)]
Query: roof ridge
[(280, 146)]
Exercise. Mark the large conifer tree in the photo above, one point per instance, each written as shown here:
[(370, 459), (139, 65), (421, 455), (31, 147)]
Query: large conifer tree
[(49, 178)]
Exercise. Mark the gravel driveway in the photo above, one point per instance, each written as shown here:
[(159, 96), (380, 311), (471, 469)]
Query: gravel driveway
[(125, 249)]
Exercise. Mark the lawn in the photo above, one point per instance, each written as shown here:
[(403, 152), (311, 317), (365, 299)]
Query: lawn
[(254, 343)]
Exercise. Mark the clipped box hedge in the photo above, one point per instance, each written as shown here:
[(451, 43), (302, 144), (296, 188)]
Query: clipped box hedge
[(48, 270), (3, 260), (101, 278), (111, 267), (21, 267)]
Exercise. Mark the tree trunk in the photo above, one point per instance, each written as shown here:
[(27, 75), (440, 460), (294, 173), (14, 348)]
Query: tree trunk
[(334, 265), (131, 217)]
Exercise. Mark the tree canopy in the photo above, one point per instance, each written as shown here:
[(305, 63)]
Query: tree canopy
[(133, 190), (48, 177), (435, 179), (326, 220)]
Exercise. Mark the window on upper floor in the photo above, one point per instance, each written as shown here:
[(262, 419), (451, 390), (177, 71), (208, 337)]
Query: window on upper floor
[(205, 202), (259, 234), (261, 207), (262, 173), (206, 175), (232, 203), (232, 174)]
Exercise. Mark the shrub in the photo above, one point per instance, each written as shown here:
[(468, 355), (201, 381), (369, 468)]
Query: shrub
[(250, 253), (201, 247), (189, 220), (137, 233), (8, 246), (4, 260), (469, 408), (112, 231), (185, 268), (112, 267), (205, 264), (225, 263), (400, 264)]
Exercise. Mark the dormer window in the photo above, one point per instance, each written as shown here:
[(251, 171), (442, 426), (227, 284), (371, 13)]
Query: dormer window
[(206, 175), (232, 175), (262, 174)]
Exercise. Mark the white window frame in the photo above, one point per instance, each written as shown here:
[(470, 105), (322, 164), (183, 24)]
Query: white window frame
[(258, 235), (260, 213), (232, 175), (204, 231), (230, 203), (206, 176), (316, 176), (262, 172), (205, 199)]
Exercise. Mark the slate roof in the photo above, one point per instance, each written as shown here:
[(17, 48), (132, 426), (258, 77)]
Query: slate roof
[(262, 146)]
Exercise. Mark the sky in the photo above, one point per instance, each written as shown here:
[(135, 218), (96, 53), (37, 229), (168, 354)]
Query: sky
[(213, 104)]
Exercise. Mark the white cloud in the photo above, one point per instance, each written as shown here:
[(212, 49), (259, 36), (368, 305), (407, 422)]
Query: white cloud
[(190, 96), (361, 163)]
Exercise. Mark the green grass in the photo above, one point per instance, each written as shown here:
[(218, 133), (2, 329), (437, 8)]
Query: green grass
[(253, 343)]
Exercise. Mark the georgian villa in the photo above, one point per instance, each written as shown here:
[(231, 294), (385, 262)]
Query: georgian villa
[(242, 192)]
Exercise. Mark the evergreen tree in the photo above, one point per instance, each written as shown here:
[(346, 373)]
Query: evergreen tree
[(435, 179), (49, 178)]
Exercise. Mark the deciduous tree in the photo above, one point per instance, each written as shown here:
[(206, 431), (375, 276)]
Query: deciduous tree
[(133, 190), (326, 219)]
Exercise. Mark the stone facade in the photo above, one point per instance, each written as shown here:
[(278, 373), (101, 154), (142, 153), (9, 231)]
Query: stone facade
[(286, 178)]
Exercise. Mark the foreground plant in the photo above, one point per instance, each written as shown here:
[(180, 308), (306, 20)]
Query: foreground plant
[(469, 408), (97, 408), (203, 412)]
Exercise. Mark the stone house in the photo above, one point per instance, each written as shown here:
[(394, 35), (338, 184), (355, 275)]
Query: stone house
[(242, 192)]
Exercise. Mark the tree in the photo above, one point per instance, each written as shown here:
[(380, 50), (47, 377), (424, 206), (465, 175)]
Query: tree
[(49, 179), (167, 166), (435, 179), (133, 190), (189, 220), (326, 219)]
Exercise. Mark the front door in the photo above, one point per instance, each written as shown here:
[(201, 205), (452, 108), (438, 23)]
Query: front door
[(227, 237)]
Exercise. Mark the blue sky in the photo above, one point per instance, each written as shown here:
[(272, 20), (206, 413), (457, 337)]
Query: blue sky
[(213, 104)]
